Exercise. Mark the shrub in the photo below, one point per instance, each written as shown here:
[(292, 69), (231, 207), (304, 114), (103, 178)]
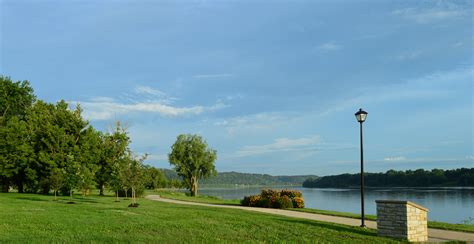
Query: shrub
[(298, 202), (285, 202), (255, 201), (269, 193), (245, 201), (275, 199), (291, 193)]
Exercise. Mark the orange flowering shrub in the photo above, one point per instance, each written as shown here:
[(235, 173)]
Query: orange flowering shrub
[(275, 199), (298, 202)]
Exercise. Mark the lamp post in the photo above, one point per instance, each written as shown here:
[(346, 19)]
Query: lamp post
[(361, 115)]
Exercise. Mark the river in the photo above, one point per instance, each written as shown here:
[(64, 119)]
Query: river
[(452, 205)]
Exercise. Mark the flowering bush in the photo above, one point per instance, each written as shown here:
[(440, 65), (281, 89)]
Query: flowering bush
[(291, 193), (275, 199), (298, 202)]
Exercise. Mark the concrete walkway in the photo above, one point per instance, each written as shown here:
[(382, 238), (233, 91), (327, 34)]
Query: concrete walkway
[(435, 235)]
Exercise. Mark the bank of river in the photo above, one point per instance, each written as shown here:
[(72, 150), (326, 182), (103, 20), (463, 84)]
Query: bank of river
[(452, 205)]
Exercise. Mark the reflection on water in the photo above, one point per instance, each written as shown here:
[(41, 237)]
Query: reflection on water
[(451, 205)]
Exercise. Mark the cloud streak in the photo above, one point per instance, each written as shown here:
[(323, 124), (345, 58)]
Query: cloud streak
[(107, 110), (329, 46), (427, 16), (432, 86), (281, 145)]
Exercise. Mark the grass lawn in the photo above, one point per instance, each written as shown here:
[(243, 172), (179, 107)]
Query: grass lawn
[(215, 200), (37, 218), (200, 198)]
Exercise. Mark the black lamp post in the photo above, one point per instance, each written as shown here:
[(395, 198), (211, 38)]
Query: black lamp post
[(361, 115)]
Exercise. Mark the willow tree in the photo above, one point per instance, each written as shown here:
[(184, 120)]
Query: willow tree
[(192, 160)]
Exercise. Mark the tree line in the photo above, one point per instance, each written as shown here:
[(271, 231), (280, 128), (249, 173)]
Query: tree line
[(50, 147), (236, 178), (393, 178)]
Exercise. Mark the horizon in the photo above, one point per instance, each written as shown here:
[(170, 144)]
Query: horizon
[(272, 87), (365, 172)]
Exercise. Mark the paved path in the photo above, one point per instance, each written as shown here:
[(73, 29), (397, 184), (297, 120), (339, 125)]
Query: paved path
[(435, 235)]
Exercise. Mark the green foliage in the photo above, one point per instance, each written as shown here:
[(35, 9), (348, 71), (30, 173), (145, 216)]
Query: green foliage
[(56, 180), (48, 146), (408, 178), (269, 198), (192, 160), (15, 98), (114, 152), (154, 178)]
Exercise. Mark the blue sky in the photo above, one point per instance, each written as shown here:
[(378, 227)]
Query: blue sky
[(271, 85)]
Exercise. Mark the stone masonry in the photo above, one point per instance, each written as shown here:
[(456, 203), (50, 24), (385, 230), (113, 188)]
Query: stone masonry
[(402, 220)]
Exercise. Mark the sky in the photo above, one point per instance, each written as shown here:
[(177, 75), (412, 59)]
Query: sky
[(271, 85)]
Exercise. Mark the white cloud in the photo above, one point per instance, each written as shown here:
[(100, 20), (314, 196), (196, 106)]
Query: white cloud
[(157, 157), (253, 122), (329, 46), (426, 16), (212, 76), (281, 145), (148, 90), (94, 110), (398, 158)]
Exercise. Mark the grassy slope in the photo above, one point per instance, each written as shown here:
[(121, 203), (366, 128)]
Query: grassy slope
[(36, 218), (215, 200)]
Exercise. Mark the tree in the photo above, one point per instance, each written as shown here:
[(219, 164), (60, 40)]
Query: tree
[(16, 154), (132, 174), (114, 148), (192, 160), (72, 174), (16, 98), (153, 178), (55, 180)]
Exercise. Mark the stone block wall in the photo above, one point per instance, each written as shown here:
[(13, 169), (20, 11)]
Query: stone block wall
[(402, 220)]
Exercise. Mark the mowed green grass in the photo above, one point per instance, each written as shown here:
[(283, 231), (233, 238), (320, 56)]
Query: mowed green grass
[(214, 200), (37, 218)]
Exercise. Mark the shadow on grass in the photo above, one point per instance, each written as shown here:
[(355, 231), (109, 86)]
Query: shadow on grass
[(332, 226), (36, 199)]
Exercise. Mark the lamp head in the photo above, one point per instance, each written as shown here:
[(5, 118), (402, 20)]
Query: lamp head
[(361, 115)]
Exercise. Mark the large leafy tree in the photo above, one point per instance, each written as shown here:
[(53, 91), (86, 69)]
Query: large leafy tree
[(192, 159), (16, 98), (16, 155)]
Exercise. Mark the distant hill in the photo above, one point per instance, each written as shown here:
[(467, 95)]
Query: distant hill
[(236, 178), (410, 178)]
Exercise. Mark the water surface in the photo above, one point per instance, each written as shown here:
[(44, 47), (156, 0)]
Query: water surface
[(452, 205)]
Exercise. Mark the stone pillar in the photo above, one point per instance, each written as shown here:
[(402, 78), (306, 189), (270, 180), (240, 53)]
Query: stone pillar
[(402, 220)]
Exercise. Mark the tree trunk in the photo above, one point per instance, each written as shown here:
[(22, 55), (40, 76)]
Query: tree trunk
[(21, 187), (126, 193), (194, 186), (55, 197), (116, 195), (133, 195), (70, 194), (5, 187), (101, 189)]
